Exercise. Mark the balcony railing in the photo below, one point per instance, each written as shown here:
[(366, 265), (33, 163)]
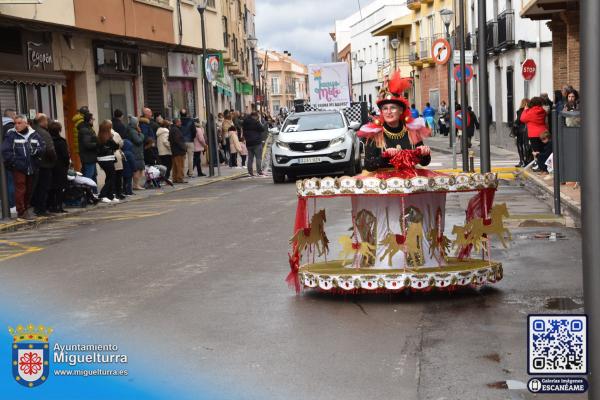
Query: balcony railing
[(412, 53), (425, 47), (506, 29), (492, 36)]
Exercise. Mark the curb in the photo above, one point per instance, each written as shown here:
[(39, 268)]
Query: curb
[(17, 225), (566, 202)]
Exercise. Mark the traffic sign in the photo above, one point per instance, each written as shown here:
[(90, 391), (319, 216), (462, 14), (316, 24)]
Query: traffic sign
[(440, 51), (458, 119), (469, 56), (528, 69), (468, 73)]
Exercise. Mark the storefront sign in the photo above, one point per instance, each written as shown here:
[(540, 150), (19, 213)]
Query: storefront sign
[(39, 56), (184, 65), (328, 84)]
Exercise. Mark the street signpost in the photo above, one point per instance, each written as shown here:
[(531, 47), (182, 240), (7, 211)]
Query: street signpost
[(528, 69), (468, 73), (441, 51)]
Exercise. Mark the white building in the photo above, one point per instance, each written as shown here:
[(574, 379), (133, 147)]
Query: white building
[(357, 29), (511, 40)]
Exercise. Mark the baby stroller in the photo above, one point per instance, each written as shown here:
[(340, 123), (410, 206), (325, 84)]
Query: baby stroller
[(79, 192), (155, 174)]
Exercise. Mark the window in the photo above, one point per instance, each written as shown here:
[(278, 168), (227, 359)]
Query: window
[(310, 122), (225, 33), (370, 54), (376, 52), (430, 23), (383, 50), (276, 106), (275, 85)]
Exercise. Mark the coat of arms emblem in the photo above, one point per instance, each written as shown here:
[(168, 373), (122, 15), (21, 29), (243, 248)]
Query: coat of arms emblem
[(30, 354)]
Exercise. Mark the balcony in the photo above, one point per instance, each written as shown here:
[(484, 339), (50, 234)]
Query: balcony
[(425, 48), (506, 30), (492, 36), (414, 5), (413, 55)]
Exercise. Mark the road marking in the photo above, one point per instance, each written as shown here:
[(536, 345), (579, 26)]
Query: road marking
[(10, 250)]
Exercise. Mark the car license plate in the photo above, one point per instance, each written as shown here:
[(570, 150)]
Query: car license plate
[(309, 160)]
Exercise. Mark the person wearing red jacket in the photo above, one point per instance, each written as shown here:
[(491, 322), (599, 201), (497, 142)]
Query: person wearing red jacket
[(534, 116)]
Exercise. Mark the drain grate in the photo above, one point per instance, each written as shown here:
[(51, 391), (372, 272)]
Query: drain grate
[(550, 236)]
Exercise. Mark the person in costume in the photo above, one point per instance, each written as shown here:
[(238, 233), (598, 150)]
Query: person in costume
[(394, 129)]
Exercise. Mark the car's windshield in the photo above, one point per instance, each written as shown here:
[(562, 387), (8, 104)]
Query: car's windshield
[(311, 122)]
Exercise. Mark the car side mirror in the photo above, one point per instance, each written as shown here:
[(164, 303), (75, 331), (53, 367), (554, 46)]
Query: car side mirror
[(354, 125), (274, 131)]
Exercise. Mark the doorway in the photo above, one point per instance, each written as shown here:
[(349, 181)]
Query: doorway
[(510, 102), (69, 110)]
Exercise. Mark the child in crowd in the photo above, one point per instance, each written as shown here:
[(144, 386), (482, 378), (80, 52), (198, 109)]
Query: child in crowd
[(243, 151), (544, 153), (234, 146)]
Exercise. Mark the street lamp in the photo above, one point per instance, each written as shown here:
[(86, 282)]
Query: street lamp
[(395, 43), (259, 64), (447, 16), (211, 131), (252, 41), (361, 65)]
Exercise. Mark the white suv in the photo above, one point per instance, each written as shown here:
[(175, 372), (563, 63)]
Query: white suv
[(316, 142)]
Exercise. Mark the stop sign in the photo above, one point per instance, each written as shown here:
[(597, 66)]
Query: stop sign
[(528, 69)]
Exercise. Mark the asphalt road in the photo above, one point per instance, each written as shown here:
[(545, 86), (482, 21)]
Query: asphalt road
[(198, 275)]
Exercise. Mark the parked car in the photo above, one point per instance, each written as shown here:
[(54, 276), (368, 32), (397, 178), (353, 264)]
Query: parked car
[(316, 142)]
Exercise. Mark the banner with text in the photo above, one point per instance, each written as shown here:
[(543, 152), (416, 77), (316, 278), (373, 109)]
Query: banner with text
[(328, 85)]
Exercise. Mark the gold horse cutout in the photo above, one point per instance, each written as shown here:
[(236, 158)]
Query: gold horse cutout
[(478, 227), (411, 244), (464, 238), (313, 235), (438, 243), (350, 248)]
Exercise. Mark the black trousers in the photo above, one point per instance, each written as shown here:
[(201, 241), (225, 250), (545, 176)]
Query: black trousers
[(167, 161), (108, 189), (42, 186), (198, 162), (56, 195), (119, 183)]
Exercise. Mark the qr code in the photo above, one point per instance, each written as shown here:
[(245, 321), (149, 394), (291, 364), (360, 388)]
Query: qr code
[(557, 344)]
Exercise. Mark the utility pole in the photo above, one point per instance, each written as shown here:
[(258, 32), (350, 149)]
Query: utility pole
[(590, 190), (484, 123), (463, 89)]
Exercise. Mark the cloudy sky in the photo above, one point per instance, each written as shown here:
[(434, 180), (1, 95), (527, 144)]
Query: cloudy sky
[(301, 27)]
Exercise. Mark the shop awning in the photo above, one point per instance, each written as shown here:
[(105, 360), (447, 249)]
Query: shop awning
[(33, 78)]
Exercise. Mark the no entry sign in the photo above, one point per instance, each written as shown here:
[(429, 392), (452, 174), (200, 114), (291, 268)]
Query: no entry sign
[(528, 69), (440, 51)]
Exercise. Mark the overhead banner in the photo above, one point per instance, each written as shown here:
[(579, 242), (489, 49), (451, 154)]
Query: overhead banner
[(329, 85)]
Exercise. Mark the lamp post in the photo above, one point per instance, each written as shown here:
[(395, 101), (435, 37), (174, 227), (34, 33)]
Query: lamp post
[(252, 41), (259, 64), (361, 65), (463, 89), (446, 16), (211, 131), (395, 43)]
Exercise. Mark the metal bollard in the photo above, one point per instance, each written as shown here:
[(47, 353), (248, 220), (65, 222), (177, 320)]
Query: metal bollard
[(471, 161)]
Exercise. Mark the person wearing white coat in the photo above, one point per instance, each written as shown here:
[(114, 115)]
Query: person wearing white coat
[(163, 146)]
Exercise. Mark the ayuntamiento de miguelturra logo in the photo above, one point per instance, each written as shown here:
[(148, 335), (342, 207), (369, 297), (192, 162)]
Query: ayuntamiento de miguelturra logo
[(30, 354)]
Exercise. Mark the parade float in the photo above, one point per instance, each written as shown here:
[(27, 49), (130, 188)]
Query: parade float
[(396, 238)]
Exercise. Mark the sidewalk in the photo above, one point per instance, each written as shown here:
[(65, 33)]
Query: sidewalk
[(570, 197), (226, 174)]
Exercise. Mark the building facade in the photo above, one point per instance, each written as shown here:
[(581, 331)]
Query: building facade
[(285, 80), (121, 54)]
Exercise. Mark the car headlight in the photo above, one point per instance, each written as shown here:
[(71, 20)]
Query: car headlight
[(283, 145), (338, 140)]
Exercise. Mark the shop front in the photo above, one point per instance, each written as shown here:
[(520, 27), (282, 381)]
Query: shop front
[(116, 72), (28, 82), (184, 71)]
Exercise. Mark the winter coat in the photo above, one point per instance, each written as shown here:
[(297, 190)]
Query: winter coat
[(77, 121), (151, 156), (119, 152), (428, 112), (188, 129), (234, 142), (61, 167), (253, 131), (243, 149), (49, 156), (118, 126), (474, 124), (106, 151), (87, 143), (7, 125), (199, 141), (227, 123), (129, 161), (22, 150), (535, 118), (146, 129), (162, 142), (414, 113), (137, 140), (178, 147)]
